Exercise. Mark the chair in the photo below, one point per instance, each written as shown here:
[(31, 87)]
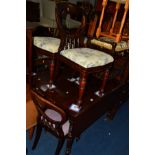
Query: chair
[(52, 118), (112, 34), (47, 13), (76, 55), (47, 47), (112, 31), (71, 24)]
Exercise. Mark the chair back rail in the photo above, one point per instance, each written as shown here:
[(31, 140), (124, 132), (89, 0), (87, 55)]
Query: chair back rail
[(71, 35), (42, 104)]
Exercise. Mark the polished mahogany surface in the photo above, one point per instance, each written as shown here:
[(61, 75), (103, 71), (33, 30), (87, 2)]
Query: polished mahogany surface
[(93, 106)]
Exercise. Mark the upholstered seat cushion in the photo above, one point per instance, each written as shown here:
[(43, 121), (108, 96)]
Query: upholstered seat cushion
[(87, 57), (121, 46), (52, 114), (47, 43)]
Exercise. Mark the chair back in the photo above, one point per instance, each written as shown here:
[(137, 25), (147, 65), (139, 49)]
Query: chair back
[(114, 26), (50, 116), (47, 13), (71, 22)]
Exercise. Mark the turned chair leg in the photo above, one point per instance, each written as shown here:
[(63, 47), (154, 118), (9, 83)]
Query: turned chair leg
[(37, 137), (69, 145), (59, 146), (51, 71), (83, 81), (104, 81)]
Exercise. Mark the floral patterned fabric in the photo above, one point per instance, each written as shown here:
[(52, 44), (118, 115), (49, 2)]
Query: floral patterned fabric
[(87, 57), (47, 43), (123, 45)]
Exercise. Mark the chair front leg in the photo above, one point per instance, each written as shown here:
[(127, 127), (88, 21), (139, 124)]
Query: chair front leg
[(51, 71), (70, 139), (37, 137), (59, 146), (104, 81), (83, 81)]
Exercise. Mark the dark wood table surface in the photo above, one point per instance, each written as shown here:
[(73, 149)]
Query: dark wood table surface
[(93, 107)]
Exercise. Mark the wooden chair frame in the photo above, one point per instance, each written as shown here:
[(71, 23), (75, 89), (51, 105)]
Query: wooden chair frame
[(42, 104), (117, 36), (75, 34)]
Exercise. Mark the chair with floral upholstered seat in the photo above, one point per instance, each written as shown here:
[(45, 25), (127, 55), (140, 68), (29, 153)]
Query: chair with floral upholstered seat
[(47, 47), (81, 59), (52, 118)]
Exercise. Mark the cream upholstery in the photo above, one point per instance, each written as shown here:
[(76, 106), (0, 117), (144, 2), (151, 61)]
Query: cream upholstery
[(47, 43), (87, 57), (121, 46)]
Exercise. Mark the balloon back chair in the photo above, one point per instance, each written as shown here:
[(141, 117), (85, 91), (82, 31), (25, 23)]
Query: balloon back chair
[(51, 118), (76, 55), (47, 48), (112, 30), (71, 24)]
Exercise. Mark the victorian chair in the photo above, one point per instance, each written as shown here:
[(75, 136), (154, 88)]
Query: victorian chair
[(81, 59), (47, 47), (46, 41), (52, 118)]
